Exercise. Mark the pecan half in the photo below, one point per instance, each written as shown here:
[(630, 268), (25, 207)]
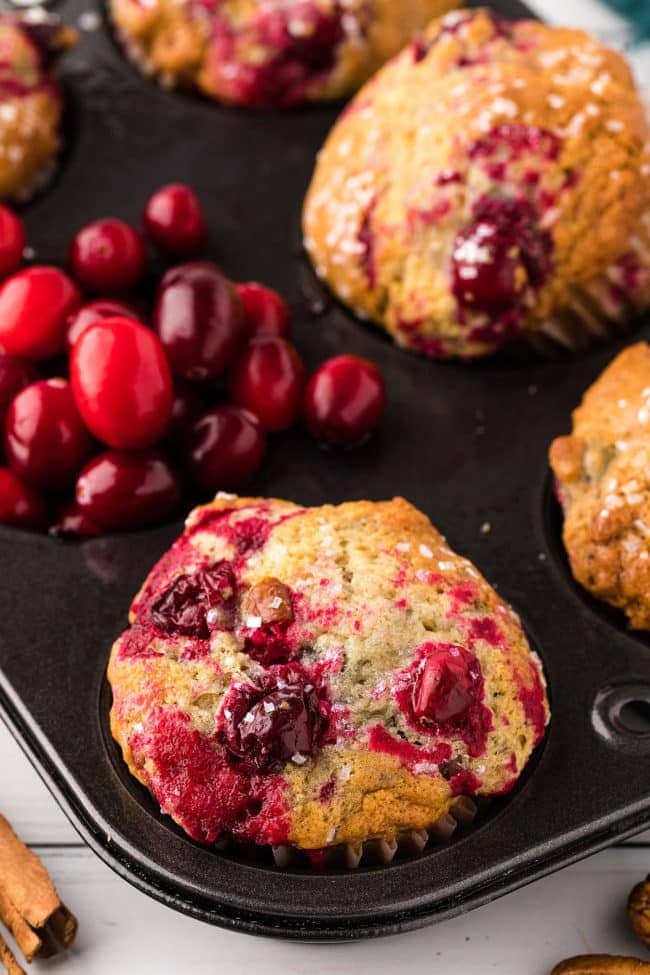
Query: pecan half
[(638, 910), (602, 965), (268, 600)]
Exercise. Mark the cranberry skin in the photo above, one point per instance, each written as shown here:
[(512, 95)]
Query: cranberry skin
[(268, 378), (344, 400), (447, 686), (92, 312), (226, 446), (280, 719), (265, 311), (199, 318), (121, 383), (12, 241), (174, 221), (195, 604), (34, 307), (108, 255), (72, 522), (19, 504), (187, 407), (15, 374), (121, 490), (46, 442)]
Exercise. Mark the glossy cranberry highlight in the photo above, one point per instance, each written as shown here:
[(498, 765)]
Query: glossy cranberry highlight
[(108, 256), (447, 685), (226, 446), (344, 400), (194, 605), (34, 308), (174, 221), (268, 378), (265, 311)]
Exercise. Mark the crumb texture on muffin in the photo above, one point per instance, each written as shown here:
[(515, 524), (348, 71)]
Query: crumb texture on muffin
[(320, 676), (491, 179), (30, 102), (261, 54), (602, 472)]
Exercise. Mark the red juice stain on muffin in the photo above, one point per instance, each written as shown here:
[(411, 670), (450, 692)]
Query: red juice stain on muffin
[(533, 701), (326, 792), (487, 629), (465, 783), (366, 239), (441, 693), (409, 755), (187, 773), (462, 595)]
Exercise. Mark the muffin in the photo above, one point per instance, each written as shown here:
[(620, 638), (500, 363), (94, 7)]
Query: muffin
[(321, 678), (602, 473), (269, 54), (30, 101), (492, 179)]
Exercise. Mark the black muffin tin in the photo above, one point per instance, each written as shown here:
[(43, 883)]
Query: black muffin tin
[(465, 443)]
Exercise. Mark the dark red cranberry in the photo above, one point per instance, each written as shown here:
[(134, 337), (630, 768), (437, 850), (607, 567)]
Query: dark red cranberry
[(226, 446), (108, 256), (72, 522), (15, 374), (121, 383), (45, 439), (12, 241), (265, 311), (281, 719), (196, 604), (199, 318), (344, 400), (122, 490), (34, 308), (174, 221), (499, 256), (187, 407), (19, 504), (448, 684), (93, 312), (268, 378)]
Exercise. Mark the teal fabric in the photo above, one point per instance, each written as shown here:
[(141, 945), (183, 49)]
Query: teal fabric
[(638, 14)]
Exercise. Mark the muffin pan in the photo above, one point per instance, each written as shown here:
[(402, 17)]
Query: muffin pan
[(466, 443)]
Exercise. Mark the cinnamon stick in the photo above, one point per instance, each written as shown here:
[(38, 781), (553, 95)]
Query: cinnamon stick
[(8, 959), (29, 904)]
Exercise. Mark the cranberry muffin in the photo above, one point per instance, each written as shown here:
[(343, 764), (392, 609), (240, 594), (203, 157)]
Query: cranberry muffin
[(490, 180), (319, 677), (30, 101), (602, 472), (269, 54)]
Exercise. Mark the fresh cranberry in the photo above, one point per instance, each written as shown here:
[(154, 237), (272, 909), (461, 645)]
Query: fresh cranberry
[(34, 307), (187, 407), (448, 684), (92, 312), (280, 719), (344, 400), (121, 383), (45, 439), (121, 490), (12, 241), (199, 318), (72, 522), (15, 374), (268, 378), (174, 220), (196, 604), (19, 504), (108, 255), (226, 446), (265, 311)]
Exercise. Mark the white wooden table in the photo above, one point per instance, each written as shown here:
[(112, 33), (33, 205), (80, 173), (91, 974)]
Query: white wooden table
[(121, 930)]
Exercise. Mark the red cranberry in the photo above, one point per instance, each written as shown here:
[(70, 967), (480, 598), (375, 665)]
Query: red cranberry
[(449, 682), (19, 504), (34, 307), (174, 220), (45, 439), (268, 378), (194, 605), (199, 318), (12, 241), (15, 374), (225, 447), (92, 312), (281, 719), (108, 255), (187, 407), (72, 522), (121, 490), (121, 383), (344, 400), (265, 311)]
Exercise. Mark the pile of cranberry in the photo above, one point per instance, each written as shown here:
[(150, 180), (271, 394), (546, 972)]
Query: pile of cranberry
[(111, 437)]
